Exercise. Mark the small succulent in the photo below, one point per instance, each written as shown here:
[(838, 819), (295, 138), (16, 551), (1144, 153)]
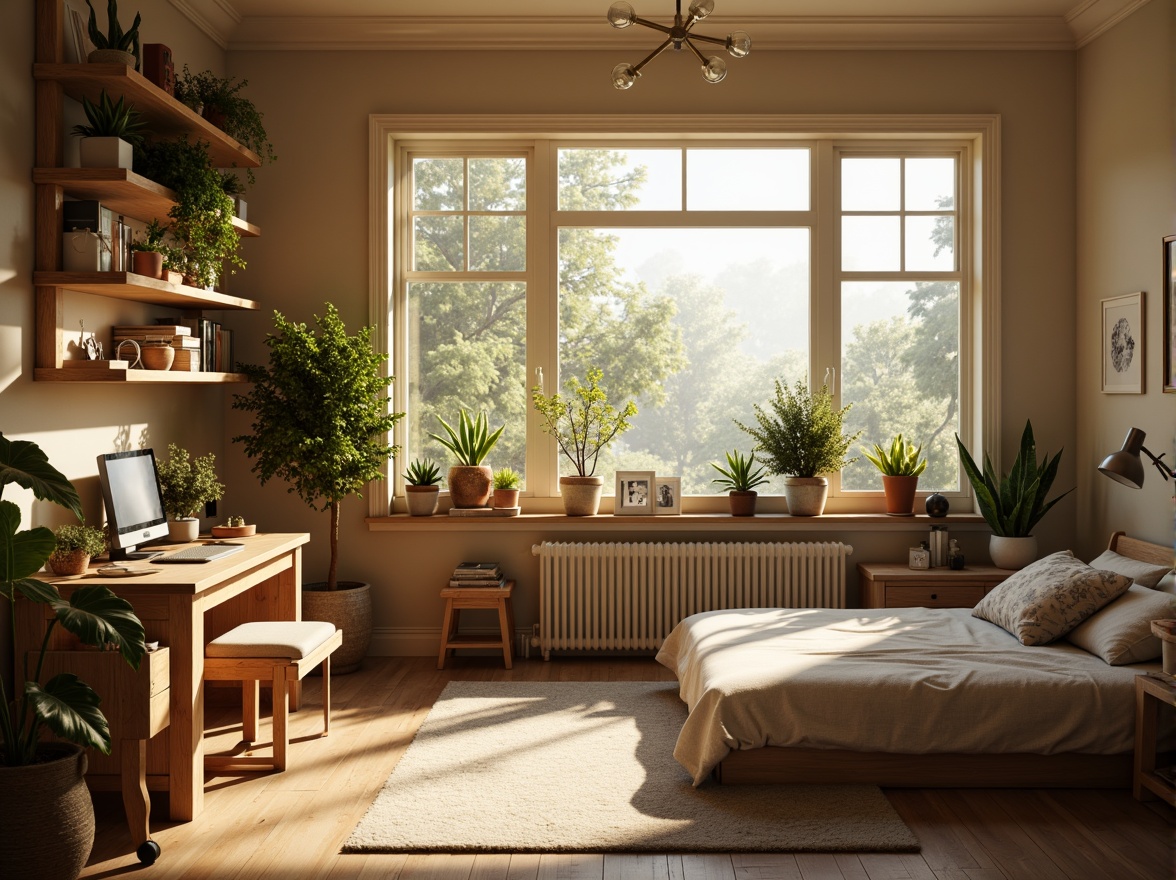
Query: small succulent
[(111, 119), (506, 478), (235, 522), (739, 475), (423, 473), (903, 459)]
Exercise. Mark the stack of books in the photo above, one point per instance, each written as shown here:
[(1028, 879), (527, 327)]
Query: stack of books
[(177, 336), (477, 574)]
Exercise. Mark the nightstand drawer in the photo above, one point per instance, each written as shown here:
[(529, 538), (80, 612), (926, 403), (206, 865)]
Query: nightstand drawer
[(924, 596)]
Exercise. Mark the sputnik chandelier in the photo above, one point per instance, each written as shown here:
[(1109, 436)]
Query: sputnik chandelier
[(714, 69)]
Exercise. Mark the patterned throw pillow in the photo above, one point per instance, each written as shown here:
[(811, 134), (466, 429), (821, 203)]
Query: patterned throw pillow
[(1143, 573), (1045, 600), (1121, 632)]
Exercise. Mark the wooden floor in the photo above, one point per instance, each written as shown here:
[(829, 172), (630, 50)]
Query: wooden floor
[(289, 826)]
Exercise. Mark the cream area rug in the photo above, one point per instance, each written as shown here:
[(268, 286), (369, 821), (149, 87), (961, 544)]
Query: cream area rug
[(589, 767)]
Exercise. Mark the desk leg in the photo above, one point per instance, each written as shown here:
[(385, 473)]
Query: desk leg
[(186, 758), (136, 801), (289, 587)]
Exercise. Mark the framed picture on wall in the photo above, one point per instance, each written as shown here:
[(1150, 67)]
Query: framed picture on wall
[(1122, 344), (1169, 338), (668, 495), (634, 493)]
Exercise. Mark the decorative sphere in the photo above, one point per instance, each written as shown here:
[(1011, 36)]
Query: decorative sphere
[(621, 15), (739, 44), (715, 69), (702, 8), (623, 76), (937, 505)]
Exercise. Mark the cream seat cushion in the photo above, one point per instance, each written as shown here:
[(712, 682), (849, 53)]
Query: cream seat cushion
[(293, 639), (1121, 632)]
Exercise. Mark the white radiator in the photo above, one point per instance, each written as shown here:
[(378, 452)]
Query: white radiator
[(617, 596)]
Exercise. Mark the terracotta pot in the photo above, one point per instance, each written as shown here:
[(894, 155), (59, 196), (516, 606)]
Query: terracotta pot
[(742, 503), (806, 495), (581, 495), (158, 357), (900, 494), (422, 500), (69, 562), (183, 530), (149, 263), (46, 815), (350, 609), (506, 498), (469, 485), (1012, 553)]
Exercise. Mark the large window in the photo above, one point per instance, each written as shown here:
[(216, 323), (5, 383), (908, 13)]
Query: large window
[(694, 274)]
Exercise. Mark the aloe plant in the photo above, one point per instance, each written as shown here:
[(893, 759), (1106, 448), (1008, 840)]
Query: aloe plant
[(111, 119), (506, 478), (1013, 504), (472, 441), (902, 459), (423, 473), (115, 37), (739, 475)]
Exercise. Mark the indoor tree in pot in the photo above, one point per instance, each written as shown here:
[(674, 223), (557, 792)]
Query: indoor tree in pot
[(186, 485), (469, 480), (740, 477), (900, 466), (422, 492), (802, 439), (320, 418), (46, 816), (583, 424), (1015, 502)]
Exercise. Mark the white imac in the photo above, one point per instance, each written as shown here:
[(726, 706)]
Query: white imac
[(134, 505)]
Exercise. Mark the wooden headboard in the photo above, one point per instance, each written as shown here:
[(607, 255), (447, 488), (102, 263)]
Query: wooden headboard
[(1144, 551)]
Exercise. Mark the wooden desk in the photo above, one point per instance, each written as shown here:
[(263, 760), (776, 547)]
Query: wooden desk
[(184, 607)]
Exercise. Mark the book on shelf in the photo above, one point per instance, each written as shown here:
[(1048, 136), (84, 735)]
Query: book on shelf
[(477, 570), (176, 342), (478, 583), (187, 360), (163, 328)]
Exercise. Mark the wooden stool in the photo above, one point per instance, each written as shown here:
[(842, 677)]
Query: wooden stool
[(280, 651), (460, 598)]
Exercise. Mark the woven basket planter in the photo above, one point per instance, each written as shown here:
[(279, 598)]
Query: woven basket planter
[(69, 562), (350, 609)]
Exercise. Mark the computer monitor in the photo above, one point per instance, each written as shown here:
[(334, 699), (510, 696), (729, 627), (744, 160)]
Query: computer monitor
[(134, 505)]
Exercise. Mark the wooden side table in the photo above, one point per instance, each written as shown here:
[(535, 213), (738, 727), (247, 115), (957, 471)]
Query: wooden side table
[(897, 586), (1151, 691), (458, 599)]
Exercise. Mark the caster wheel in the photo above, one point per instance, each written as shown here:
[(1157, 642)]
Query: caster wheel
[(148, 852)]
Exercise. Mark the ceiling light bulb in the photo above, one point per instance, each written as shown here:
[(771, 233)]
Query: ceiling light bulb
[(621, 15), (702, 8), (715, 69), (623, 76), (739, 44)]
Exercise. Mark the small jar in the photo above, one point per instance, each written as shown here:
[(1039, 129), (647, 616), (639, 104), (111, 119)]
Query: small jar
[(920, 557)]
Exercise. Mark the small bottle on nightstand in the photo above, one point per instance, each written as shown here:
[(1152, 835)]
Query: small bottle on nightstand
[(920, 557), (955, 557)]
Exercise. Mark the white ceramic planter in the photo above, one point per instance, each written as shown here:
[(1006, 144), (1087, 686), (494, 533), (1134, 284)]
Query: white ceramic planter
[(1012, 553), (106, 152), (806, 495), (183, 530), (422, 500)]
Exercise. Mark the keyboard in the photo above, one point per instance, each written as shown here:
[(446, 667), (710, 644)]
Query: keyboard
[(200, 553)]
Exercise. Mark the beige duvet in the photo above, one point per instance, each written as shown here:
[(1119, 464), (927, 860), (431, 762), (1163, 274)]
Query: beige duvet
[(908, 680)]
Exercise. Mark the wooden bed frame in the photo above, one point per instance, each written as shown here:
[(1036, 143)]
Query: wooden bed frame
[(774, 764)]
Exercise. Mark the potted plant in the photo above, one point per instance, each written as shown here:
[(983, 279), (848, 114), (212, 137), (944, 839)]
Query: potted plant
[(219, 100), (235, 527), (1015, 502), (45, 809), (802, 439), (147, 254), (583, 424), (900, 466), (320, 419), (113, 132), (74, 547), (469, 480), (740, 477), (116, 46), (422, 492), (506, 488), (235, 190), (186, 486)]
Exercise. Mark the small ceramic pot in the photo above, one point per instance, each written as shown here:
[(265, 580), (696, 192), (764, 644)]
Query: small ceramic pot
[(581, 495), (1012, 553), (506, 498), (422, 500), (149, 263), (806, 495), (470, 485), (111, 56), (183, 530), (742, 503), (900, 494)]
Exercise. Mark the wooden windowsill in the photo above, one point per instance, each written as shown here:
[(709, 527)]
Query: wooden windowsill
[(688, 522)]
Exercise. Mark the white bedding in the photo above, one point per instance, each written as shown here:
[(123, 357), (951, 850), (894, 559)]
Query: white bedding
[(910, 680)]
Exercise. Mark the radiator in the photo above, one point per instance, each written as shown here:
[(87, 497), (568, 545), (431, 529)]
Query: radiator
[(618, 596)]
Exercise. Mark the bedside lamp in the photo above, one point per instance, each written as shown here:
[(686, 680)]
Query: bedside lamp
[(1126, 467)]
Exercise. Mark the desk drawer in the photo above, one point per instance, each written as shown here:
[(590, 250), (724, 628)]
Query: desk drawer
[(135, 703), (925, 596)]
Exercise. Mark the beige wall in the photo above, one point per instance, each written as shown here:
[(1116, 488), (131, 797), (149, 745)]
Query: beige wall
[(1126, 188)]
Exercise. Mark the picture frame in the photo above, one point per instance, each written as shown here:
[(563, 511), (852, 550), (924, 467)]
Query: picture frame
[(667, 496), (1122, 344), (634, 493), (1169, 337)]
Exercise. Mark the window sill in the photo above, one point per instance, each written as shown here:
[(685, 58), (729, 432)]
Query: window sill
[(688, 522)]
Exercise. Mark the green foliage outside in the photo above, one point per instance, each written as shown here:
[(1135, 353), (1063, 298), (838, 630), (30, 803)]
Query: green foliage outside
[(800, 433), (187, 484)]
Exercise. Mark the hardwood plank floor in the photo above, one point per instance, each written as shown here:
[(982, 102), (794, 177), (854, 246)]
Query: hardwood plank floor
[(289, 826)]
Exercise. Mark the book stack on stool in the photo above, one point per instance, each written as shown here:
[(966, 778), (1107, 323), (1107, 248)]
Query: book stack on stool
[(477, 585)]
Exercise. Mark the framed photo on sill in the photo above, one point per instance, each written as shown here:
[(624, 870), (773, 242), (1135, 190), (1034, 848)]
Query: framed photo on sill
[(667, 494), (1169, 337), (634, 493), (1122, 344)]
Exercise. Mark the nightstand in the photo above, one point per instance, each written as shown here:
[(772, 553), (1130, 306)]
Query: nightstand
[(1152, 691), (897, 586), (485, 598)]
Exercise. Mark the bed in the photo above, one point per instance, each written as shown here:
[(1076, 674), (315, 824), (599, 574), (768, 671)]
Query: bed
[(916, 697)]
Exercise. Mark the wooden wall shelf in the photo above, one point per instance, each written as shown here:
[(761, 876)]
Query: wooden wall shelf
[(140, 288), (139, 377)]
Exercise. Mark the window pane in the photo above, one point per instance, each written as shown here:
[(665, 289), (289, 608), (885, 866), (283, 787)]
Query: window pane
[(498, 244), (930, 243), (467, 349), (498, 184), (619, 180), (900, 370), (438, 184), (692, 324), (747, 180), (438, 244), (870, 184), (930, 184), (870, 244)]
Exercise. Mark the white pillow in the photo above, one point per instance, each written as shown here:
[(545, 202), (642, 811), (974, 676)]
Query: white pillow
[(1167, 583), (1048, 598), (1121, 632), (1146, 574)]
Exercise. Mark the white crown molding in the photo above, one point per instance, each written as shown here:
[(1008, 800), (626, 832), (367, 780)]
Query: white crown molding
[(1092, 18), (216, 18)]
